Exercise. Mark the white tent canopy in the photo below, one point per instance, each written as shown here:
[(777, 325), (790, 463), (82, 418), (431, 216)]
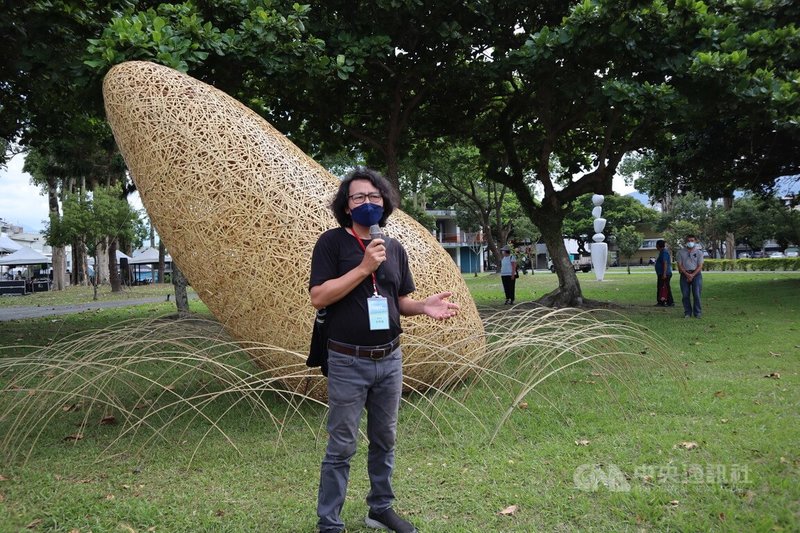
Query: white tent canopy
[(24, 256), (148, 257), (7, 245), (120, 255)]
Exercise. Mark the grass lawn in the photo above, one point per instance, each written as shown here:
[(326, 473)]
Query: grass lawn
[(76, 294), (713, 447)]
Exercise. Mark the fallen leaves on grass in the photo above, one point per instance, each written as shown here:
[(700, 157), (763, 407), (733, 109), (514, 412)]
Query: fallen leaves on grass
[(674, 503), (2, 497), (773, 375), (688, 445), (522, 405), (511, 510), (3, 478), (219, 512), (108, 421), (72, 407), (774, 354), (74, 437), (582, 442), (109, 497), (34, 524), (720, 394)]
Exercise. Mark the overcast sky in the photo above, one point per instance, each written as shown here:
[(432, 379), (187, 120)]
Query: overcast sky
[(23, 204)]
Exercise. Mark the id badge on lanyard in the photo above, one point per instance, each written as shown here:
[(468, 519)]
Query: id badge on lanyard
[(378, 308), (377, 305)]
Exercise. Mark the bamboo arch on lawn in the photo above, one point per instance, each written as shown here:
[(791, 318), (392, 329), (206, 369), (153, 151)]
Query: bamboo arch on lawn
[(240, 207)]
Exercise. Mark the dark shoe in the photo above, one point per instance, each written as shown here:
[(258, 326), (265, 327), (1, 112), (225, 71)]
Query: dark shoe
[(506, 302), (687, 316), (388, 519)]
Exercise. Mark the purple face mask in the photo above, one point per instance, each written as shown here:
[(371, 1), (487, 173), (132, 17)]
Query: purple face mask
[(367, 214)]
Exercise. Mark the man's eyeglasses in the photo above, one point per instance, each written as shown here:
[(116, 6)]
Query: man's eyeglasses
[(360, 197)]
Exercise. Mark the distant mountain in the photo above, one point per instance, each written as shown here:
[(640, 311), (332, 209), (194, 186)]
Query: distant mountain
[(643, 199)]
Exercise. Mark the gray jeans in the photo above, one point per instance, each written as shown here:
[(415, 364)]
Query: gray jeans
[(353, 384), (695, 288)]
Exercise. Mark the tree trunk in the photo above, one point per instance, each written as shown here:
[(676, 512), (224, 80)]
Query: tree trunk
[(568, 293), (393, 167), (94, 278), (73, 275), (101, 273), (59, 252), (730, 239), (181, 298), (113, 267), (161, 254), (59, 269), (80, 270)]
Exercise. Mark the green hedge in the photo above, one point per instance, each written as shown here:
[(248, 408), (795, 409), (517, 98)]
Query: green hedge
[(769, 263)]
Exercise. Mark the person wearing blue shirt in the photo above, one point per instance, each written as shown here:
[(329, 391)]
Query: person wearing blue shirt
[(663, 275)]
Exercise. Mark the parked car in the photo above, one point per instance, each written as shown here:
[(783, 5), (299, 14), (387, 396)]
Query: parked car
[(744, 255), (758, 255), (792, 252), (776, 255), (582, 263)]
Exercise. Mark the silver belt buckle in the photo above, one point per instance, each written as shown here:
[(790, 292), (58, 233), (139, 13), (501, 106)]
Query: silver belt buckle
[(374, 357)]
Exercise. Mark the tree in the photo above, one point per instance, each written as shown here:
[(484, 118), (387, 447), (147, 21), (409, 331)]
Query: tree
[(628, 242), (676, 232), (90, 219), (353, 74), (618, 211), (573, 90), (755, 219), (553, 94), (481, 205), (746, 134)]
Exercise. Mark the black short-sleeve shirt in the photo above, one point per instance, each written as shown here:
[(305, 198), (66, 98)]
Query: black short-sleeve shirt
[(336, 253)]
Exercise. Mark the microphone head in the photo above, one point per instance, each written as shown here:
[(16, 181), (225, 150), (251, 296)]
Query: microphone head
[(375, 231)]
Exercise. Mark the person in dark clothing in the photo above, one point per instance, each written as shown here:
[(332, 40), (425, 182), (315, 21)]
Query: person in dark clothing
[(508, 274), (364, 284), (663, 265)]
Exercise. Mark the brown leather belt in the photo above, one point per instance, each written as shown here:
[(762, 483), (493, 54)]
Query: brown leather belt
[(371, 352)]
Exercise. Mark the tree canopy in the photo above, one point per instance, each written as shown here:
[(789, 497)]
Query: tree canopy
[(551, 94)]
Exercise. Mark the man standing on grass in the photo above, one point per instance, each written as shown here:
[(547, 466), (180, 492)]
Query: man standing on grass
[(363, 281), (664, 275), (690, 265)]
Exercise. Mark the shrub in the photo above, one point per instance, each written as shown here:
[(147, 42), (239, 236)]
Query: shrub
[(769, 263)]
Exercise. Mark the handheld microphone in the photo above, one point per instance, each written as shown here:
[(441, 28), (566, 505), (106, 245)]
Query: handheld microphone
[(375, 232)]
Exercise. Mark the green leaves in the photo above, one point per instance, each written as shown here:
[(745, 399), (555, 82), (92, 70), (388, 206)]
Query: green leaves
[(181, 37)]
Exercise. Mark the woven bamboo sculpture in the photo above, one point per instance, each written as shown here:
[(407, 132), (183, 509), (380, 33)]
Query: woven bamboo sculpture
[(240, 208)]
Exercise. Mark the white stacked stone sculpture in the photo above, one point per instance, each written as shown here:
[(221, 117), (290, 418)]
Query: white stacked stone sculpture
[(599, 248)]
